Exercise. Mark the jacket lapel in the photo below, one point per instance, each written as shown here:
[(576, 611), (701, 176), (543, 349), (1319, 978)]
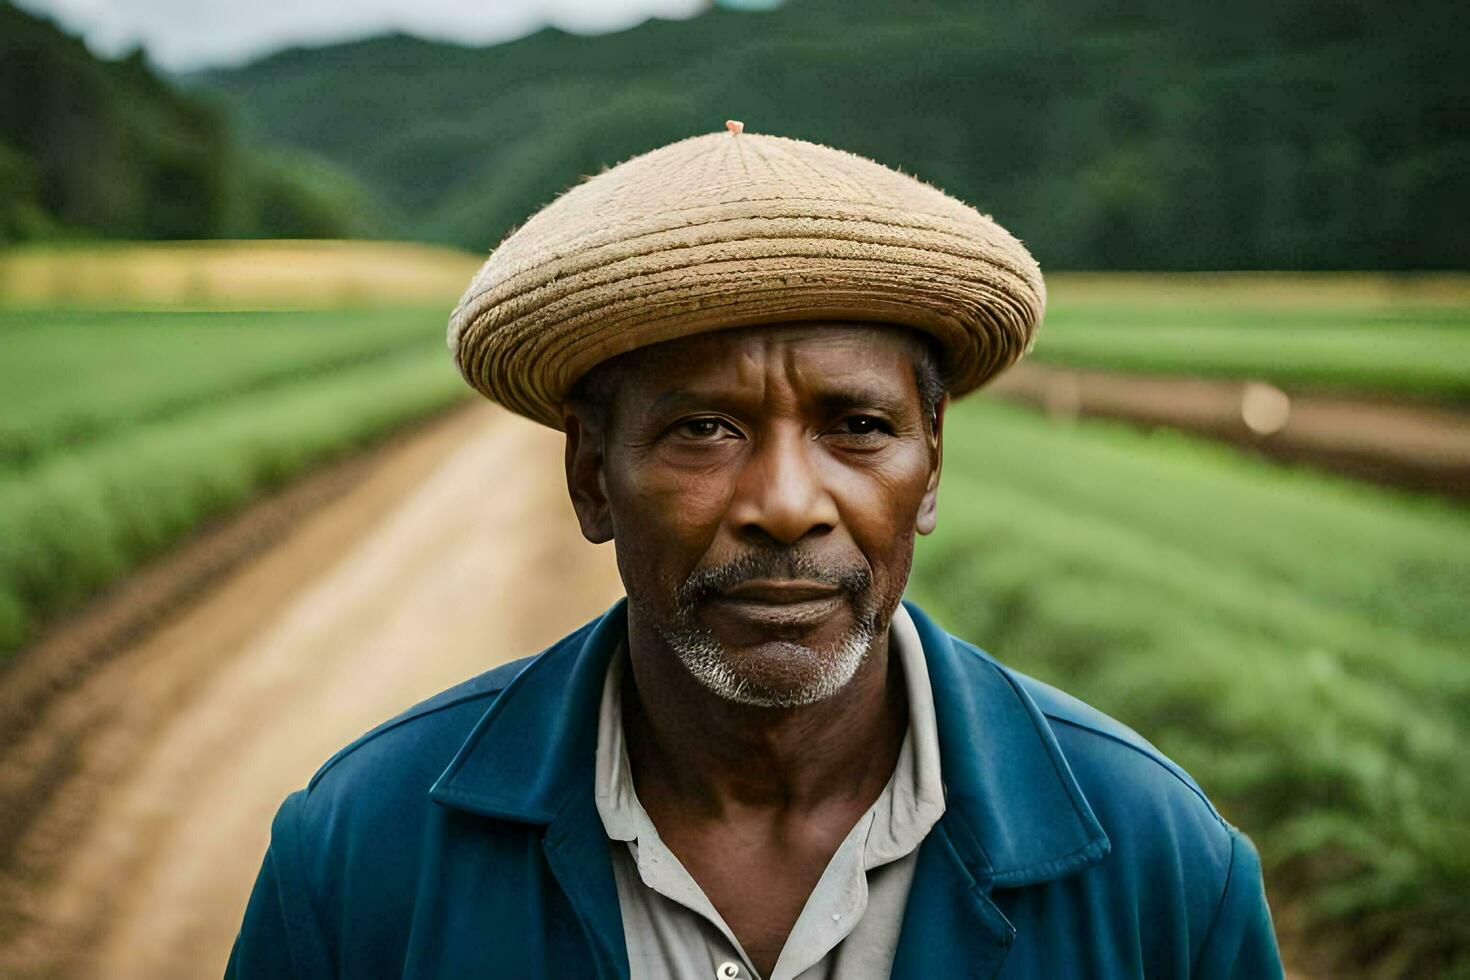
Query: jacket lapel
[(1014, 814), (576, 846), (950, 926), (531, 760)]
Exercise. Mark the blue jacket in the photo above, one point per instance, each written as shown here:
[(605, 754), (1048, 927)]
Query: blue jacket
[(462, 839)]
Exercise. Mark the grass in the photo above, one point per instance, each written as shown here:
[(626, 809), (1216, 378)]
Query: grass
[(1295, 641), (149, 388), (81, 376), (76, 522), (123, 432), (1395, 335)]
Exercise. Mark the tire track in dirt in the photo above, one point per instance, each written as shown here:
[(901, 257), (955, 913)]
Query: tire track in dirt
[(457, 552)]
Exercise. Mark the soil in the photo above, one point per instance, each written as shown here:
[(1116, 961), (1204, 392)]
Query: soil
[(138, 788), (1407, 444)]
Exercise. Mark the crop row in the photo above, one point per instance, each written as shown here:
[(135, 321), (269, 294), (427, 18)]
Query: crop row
[(1295, 641), (76, 377), (74, 522), (1423, 352)]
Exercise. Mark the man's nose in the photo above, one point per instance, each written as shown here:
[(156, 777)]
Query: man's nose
[(780, 495)]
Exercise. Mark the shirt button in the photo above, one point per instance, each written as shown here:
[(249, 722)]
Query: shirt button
[(728, 971)]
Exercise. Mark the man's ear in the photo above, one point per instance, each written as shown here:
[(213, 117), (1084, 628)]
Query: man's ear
[(584, 464), (929, 505)]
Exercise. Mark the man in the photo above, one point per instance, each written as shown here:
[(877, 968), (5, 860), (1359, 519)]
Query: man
[(762, 763)]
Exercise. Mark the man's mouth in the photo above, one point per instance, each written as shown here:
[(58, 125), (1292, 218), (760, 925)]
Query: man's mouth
[(780, 604), (780, 591)]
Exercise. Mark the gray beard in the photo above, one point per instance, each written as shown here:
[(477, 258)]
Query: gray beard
[(710, 664), (822, 672)]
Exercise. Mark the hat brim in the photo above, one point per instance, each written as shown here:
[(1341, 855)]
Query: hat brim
[(537, 319)]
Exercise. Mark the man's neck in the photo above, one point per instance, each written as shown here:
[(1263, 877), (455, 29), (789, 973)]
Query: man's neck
[(717, 758)]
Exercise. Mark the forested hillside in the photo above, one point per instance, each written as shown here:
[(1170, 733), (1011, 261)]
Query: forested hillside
[(91, 147), (1308, 135)]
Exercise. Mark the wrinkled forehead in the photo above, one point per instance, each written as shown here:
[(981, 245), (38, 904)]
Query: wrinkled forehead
[(810, 358)]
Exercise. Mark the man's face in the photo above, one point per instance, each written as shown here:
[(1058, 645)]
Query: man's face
[(763, 487)]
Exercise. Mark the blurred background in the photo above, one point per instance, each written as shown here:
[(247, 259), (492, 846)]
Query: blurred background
[(248, 509)]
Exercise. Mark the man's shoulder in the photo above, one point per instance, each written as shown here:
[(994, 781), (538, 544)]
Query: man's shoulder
[(1101, 746), (390, 769), (419, 740), (1174, 866), (1148, 804), (344, 850), (1170, 852), (379, 785)]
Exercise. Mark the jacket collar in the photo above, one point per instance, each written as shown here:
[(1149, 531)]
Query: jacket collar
[(1018, 813), (1014, 812)]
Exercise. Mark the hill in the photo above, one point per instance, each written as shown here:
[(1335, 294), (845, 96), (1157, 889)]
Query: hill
[(90, 147), (1319, 134)]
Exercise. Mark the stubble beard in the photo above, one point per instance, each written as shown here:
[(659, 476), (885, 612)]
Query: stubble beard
[(825, 670)]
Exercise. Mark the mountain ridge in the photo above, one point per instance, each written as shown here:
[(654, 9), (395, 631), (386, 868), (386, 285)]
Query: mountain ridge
[(1319, 135), (92, 147)]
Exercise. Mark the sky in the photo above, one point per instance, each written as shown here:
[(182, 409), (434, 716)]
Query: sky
[(182, 35)]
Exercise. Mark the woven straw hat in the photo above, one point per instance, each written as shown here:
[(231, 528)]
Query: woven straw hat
[(737, 229)]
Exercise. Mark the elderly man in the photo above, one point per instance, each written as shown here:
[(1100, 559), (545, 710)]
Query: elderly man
[(763, 762)]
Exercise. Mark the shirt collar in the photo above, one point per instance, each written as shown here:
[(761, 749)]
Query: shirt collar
[(1013, 808)]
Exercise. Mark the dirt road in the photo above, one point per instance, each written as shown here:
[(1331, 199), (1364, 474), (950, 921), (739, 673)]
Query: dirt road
[(139, 807)]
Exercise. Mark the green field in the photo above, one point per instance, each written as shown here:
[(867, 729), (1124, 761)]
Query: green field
[(1296, 641), (122, 432), (1401, 336)]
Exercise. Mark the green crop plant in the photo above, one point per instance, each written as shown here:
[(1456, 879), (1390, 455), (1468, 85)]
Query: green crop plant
[(1294, 640), (73, 522)]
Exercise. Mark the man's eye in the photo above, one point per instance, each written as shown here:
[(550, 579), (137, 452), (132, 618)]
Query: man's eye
[(706, 428), (861, 425)]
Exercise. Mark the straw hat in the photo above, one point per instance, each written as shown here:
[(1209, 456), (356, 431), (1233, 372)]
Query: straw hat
[(736, 229)]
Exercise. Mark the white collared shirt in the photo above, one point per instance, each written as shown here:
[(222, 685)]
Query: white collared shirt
[(850, 924)]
